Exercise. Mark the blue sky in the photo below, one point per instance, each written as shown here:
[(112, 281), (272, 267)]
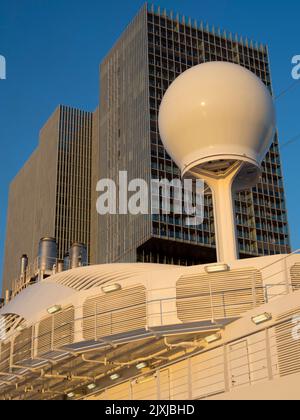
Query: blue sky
[(53, 49)]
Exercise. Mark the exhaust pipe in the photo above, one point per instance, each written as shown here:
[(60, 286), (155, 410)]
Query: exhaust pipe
[(78, 255)]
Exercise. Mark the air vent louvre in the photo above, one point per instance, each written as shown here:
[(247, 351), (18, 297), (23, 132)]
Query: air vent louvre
[(115, 313), (231, 294), (96, 276), (9, 323), (45, 336), (5, 351), (87, 279), (56, 331), (295, 276), (64, 328), (288, 348), (23, 346), (291, 313)]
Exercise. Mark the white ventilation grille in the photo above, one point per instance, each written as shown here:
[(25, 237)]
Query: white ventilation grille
[(295, 276), (5, 352), (95, 276), (23, 346), (288, 342), (114, 313), (295, 312), (220, 295), (56, 331), (86, 282), (8, 324)]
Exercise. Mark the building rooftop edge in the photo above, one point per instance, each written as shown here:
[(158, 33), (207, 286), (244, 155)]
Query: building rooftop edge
[(199, 24)]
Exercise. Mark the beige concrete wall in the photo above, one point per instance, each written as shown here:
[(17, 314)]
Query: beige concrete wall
[(32, 200), (45, 204), (20, 217), (60, 167), (51, 195), (280, 389)]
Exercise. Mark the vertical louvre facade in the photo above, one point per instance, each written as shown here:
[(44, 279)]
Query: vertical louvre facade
[(173, 45), (124, 138), (51, 195), (73, 204)]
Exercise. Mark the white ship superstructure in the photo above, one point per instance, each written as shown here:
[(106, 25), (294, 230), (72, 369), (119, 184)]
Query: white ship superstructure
[(228, 330), (154, 332)]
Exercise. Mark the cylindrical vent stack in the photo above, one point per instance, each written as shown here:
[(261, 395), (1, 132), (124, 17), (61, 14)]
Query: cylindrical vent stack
[(78, 255), (8, 294), (67, 261), (60, 266), (47, 254), (24, 266)]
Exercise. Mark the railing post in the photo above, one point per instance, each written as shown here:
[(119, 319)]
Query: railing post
[(158, 385), (190, 380), (266, 293), (32, 341), (52, 333), (269, 356), (254, 291), (147, 310), (287, 277), (130, 391), (211, 303), (11, 355), (224, 305), (95, 326), (226, 370), (111, 323)]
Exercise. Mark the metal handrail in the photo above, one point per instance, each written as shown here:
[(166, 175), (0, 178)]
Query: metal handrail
[(149, 318), (213, 307), (199, 386), (33, 271), (115, 322)]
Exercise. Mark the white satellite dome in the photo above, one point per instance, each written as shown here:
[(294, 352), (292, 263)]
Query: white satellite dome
[(217, 111)]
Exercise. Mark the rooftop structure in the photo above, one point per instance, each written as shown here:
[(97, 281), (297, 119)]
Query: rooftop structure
[(217, 121)]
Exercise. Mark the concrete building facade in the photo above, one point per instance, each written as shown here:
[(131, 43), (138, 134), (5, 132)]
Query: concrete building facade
[(154, 50), (51, 195)]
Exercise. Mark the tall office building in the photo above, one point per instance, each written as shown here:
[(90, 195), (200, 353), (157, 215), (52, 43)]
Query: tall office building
[(51, 195), (155, 49)]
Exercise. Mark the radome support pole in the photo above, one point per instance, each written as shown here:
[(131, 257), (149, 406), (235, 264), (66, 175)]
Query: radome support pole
[(224, 214)]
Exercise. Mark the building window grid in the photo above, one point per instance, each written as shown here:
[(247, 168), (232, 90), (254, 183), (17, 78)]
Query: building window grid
[(171, 53), (73, 189)]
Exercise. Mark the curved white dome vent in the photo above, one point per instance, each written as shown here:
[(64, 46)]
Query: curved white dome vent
[(216, 113), (86, 278)]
